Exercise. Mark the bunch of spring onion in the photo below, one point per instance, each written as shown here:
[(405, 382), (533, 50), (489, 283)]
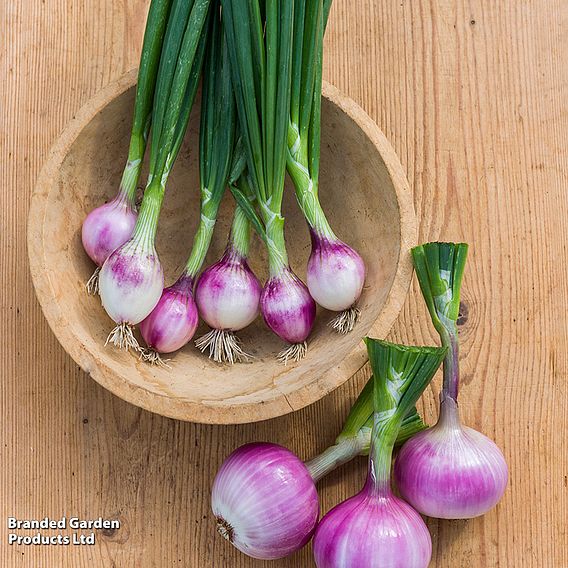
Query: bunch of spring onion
[(336, 272), (109, 226), (228, 293), (173, 321), (449, 471), (131, 280), (375, 528), (264, 497), (260, 40)]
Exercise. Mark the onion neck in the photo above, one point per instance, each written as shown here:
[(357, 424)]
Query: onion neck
[(239, 237), (341, 452), (147, 222), (132, 170), (383, 438), (306, 189), (449, 414), (449, 337), (277, 255), (202, 239)]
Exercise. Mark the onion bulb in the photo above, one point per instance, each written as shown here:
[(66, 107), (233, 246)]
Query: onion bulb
[(265, 501), (172, 323), (371, 531), (335, 278), (289, 311), (451, 471)]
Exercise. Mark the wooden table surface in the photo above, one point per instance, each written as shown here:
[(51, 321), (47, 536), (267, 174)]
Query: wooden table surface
[(472, 94)]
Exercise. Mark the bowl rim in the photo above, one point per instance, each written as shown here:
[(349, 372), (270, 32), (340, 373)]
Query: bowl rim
[(283, 403)]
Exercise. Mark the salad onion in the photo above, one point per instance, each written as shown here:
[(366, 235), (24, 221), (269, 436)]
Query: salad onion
[(335, 272), (375, 524), (449, 471)]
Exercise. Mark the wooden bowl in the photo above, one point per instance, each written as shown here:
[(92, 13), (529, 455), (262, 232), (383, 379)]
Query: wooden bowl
[(364, 190)]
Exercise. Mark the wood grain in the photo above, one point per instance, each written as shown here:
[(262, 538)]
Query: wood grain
[(472, 95)]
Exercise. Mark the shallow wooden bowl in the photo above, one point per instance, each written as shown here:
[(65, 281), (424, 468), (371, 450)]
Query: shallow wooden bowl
[(364, 190)]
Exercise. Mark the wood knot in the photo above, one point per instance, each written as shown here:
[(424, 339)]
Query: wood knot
[(463, 315)]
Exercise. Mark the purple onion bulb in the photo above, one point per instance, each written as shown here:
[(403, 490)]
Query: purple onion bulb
[(372, 531), (336, 273), (287, 307), (107, 227), (131, 282), (265, 501), (172, 323), (228, 293), (451, 471)]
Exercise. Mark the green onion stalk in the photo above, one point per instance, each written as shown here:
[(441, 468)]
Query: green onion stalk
[(260, 40), (172, 323), (375, 523), (335, 272), (131, 280), (109, 226), (355, 437)]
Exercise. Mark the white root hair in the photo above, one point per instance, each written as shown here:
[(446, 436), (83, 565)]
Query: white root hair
[(122, 337), (345, 321), (224, 346), (294, 352), (92, 284), (154, 358)]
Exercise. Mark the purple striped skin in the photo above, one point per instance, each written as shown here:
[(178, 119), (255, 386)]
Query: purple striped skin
[(265, 496), (131, 282), (172, 323), (372, 531), (451, 471), (287, 307), (106, 228), (228, 293), (335, 274)]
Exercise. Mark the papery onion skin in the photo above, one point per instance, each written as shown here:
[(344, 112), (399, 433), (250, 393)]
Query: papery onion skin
[(265, 501), (131, 282), (107, 227), (228, 293), (287, 307), (451, 471), (370, 531), (335, 274), (172, 323)]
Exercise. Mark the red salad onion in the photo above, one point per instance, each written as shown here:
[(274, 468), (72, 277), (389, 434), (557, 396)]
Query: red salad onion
[(289, 311), (173, 321), (228, 295), (376, 529), (449, 471), (335, 272)]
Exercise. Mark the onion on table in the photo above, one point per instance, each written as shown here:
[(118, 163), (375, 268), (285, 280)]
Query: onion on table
[(449, 471)]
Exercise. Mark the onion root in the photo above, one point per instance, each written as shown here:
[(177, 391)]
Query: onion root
[(345, 321), (294, 352), (224, 347)]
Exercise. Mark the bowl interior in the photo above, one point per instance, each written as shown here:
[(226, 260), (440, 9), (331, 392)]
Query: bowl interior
[(357, 193)]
